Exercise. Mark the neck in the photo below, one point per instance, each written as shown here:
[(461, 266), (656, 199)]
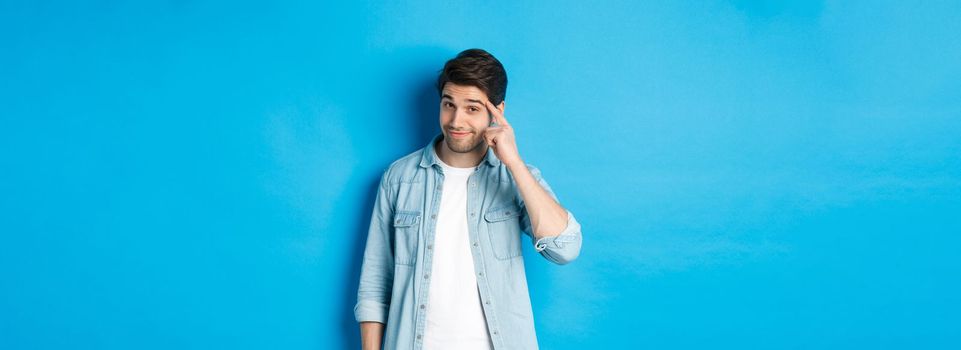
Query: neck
[(460, 160)]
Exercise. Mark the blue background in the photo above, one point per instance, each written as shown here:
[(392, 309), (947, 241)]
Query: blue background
[(200, 174)]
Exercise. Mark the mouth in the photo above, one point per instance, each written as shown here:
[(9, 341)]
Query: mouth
[(459, 135)]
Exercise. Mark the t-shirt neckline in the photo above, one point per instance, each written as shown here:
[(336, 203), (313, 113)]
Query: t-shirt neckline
[(455, 170)]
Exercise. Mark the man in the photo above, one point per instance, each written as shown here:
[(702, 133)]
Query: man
[(443, 267)]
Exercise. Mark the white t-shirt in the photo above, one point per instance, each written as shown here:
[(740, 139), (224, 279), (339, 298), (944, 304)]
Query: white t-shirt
[(455, 317)]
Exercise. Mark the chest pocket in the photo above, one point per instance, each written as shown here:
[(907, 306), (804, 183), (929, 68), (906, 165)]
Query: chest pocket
[(405, 236), (504, 228)]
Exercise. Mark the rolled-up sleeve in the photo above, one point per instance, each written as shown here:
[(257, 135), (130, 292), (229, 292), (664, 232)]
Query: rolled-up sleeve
[(561, 248), (377, 269)]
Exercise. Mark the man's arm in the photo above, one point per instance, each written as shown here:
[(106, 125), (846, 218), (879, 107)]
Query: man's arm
[(547, 216), (377, 271), (371, 335), (557, 234)]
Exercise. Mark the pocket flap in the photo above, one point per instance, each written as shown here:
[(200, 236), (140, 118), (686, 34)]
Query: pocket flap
[(405, 218), (502, 212)]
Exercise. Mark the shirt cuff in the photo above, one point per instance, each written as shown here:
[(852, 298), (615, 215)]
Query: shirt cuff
[(370, 311), (557, 242)]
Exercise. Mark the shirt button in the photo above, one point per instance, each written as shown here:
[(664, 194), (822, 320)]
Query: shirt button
[(425, 276), (418, 336), (438, 187), (471, 214), (495, 332), (475, 244), (433, 216), (422, 306), (430, 246), (507, 213), (480, 274), (488, 302)]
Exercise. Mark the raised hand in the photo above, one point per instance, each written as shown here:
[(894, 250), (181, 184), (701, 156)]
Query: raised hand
[(501, 137)]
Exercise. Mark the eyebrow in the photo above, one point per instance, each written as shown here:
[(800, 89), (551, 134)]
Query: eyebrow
[(468, 100)]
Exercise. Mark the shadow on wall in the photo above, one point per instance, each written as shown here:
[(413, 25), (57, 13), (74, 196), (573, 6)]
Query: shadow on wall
[(409, 77), (417, 75)]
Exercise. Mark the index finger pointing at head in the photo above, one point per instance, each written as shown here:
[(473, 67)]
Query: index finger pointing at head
[(498, 115)]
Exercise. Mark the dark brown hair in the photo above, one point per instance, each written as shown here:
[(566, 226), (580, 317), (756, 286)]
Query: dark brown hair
[(475, 67)]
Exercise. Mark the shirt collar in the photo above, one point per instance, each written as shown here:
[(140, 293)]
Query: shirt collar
[(429, 157)]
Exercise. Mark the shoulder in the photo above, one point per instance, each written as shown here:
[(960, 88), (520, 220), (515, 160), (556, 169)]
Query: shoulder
[(505, 175), (404, 169), (534, 171)]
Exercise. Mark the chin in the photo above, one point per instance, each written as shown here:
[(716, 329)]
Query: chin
[(465, 146)]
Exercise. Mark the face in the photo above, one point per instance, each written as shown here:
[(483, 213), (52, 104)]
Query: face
[(463, 117)]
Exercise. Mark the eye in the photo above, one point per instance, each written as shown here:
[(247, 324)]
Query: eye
[(474, 109), (448, 104)]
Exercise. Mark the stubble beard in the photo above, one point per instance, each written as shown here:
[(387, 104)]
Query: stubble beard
[(463, 146)]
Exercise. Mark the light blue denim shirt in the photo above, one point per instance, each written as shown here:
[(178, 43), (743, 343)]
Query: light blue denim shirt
[(396, 271)]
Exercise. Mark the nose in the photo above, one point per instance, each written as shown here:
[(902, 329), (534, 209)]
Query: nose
[(458, 119)]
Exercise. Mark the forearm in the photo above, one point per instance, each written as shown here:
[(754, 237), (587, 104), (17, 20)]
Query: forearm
[(371, 335), (548, 218)]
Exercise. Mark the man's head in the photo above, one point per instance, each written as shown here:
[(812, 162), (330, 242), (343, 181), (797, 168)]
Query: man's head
[(465, 84)]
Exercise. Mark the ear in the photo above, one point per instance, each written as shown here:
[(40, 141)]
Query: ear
[(501, 106)]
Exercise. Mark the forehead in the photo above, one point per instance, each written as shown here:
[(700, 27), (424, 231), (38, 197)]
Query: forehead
[(464, 93)]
